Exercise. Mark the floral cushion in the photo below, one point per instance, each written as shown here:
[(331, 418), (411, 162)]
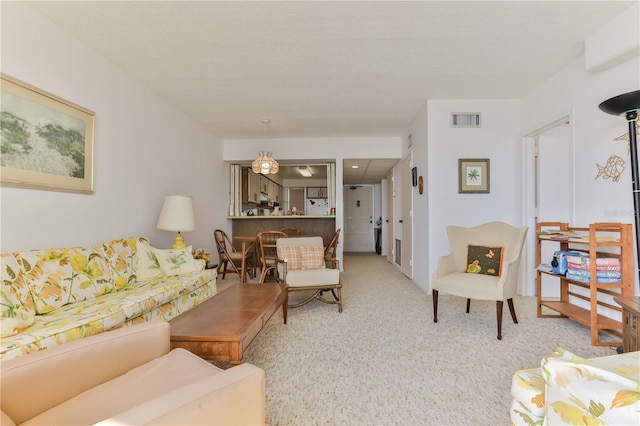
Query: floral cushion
[(121, 255), (60, 276), (148, 266), (569, 389), (176, 261), (579, 392), (14, 290)]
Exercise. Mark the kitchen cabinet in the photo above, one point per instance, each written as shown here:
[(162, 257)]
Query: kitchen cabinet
[(317, 192)]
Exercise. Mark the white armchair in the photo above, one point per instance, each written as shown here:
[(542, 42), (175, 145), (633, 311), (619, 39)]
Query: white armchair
[(457, 275)]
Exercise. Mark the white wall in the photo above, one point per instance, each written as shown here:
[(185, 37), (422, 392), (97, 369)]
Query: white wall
[(499, 140), (144, 149), (578, 91), (420, 203)]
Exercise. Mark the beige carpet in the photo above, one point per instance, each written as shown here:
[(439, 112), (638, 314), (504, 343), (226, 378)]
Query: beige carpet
[(383, 361)]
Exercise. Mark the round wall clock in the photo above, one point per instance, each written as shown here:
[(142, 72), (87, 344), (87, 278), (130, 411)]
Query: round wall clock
[(420, 185)]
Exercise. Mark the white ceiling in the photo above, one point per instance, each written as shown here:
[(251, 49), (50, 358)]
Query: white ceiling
[(331, 68)]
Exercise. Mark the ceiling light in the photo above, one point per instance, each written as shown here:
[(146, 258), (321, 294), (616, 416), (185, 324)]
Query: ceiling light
[(265, 164), (305, 171), (355, 167)]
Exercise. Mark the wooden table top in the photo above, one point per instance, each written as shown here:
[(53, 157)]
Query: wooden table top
[(229, 313)]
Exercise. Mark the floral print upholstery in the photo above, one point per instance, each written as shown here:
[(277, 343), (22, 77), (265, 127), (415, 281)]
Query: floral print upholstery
[(78, 292), (568, 389)]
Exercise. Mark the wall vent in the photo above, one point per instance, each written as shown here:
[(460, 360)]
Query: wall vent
[(465, 119)]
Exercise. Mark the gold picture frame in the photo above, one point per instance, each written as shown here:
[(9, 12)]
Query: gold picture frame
[(46, 142), (473, 176)]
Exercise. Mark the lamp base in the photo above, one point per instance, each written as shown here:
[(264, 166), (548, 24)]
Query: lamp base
[(178, 243)]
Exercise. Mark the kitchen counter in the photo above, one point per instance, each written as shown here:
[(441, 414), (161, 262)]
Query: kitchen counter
[(324, 226), (281, 217)]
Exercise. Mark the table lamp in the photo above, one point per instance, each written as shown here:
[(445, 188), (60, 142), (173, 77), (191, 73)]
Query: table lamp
[(177, 215)]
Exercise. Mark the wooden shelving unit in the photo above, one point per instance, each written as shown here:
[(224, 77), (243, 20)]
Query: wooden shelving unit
[(598, 240)]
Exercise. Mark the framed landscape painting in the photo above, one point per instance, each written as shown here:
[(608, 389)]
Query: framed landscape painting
[(45, 142), (473, 176)]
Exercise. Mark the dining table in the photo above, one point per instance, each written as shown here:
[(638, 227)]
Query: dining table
[(247, 243)]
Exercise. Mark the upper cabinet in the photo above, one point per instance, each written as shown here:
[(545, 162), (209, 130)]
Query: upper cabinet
[(317, 192)]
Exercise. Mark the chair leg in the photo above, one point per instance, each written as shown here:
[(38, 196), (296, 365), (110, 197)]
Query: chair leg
[(512, 310), (468, 305), (499, 312), (435, 305)]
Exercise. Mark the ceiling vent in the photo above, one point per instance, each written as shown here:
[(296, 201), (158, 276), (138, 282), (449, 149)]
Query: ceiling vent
[(465, 119)]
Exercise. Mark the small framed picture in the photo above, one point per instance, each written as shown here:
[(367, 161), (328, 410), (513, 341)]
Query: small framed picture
[(473, 176), (414, 176)]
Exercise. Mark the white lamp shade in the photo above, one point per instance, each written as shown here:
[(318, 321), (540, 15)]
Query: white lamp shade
[(177, 214)]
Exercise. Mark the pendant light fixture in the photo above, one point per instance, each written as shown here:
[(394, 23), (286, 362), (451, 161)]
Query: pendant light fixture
[(265, 164)]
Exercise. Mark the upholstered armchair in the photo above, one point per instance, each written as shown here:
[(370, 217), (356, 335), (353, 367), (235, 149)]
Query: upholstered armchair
[(301, 265), (483, 265)]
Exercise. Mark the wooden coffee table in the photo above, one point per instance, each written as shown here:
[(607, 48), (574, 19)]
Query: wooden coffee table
[(222, 327)]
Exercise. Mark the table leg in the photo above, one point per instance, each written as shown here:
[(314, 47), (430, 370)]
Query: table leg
[(243, 263)]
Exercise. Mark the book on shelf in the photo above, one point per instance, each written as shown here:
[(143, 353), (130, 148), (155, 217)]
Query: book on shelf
[(545, 267), (585, 261), (599, 268), (587, 279), (585, 239), (599, 274)]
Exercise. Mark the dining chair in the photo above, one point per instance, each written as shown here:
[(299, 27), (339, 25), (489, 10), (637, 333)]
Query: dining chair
[(331, 251), (268, 254), (291, 231), (230, 258)]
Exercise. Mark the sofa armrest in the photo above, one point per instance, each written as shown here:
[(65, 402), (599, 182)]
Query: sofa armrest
[(235, 397), (55, 375)]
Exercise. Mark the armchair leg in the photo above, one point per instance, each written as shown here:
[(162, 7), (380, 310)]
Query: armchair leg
[(468, 305), (499, 304), (512, 310), (435, 305)]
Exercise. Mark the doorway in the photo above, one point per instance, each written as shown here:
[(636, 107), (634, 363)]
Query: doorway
[(358, 222), (550, 187)]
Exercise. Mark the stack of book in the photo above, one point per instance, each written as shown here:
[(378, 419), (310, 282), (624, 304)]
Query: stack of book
[(608, 269)]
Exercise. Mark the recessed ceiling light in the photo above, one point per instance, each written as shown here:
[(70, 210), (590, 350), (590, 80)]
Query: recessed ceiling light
[(355, 167)]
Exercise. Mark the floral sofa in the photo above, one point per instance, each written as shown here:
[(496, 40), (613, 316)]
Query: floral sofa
[(568, 389), (53, 296)]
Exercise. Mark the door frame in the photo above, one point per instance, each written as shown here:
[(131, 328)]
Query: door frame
[(527, 282)]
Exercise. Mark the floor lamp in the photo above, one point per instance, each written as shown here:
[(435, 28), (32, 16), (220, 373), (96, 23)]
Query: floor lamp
[(628, 105)]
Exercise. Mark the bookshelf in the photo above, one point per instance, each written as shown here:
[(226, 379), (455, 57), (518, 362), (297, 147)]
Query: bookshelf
[(585, 299)]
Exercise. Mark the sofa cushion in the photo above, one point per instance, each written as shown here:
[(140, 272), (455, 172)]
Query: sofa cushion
[(148, 266), (13, 288), (151, 380), (292, 255), (313, 277), (312, 257), (176, 261), (121, 256), (60, 276), (578, 390)]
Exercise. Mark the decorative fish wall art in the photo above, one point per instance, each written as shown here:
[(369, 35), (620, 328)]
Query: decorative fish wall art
[(612, 169)]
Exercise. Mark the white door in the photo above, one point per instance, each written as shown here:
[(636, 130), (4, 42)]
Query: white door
[(358, 225), (407, 226), (387, 227)]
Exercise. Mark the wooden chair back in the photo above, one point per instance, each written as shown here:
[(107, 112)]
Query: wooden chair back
[(267, 252)]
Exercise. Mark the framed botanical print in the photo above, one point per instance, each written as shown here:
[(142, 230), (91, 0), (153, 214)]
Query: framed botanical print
[(473, 176)]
